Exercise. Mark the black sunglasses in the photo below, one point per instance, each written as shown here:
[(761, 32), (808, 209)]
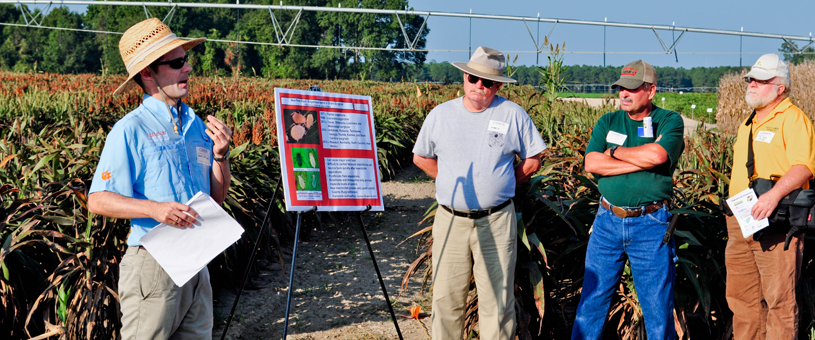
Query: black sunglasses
[(486, 82), (762, 82), (176, 63)]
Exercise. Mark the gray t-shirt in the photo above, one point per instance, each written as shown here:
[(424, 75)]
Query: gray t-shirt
[(476, 150)]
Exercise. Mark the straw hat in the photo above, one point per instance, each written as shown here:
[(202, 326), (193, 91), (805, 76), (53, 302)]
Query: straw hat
[(486, 63), (144, 43)]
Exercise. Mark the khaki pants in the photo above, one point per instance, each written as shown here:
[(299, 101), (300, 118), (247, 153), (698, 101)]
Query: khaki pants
[(761, 280), (153, 307), (486, 249)]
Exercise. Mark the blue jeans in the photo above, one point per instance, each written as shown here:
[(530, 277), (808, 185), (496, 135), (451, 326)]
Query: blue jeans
[(652, 265)]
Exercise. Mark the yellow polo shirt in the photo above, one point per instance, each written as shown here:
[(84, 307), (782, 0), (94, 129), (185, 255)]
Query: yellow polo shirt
[(785, 138)]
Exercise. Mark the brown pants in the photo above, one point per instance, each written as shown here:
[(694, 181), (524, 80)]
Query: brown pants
[(761, 280)]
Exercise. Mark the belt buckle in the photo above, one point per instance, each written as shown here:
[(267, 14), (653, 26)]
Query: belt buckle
[(473, 214), (620, 212)]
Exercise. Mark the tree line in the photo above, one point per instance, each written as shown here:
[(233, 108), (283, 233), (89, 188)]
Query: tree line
[(586, 74), (27, 49)]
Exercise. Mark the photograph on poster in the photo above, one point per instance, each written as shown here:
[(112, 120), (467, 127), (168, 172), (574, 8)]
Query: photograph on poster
[(305, 158), (302, 127)]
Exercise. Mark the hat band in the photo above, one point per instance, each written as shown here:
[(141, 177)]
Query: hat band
[(485, 69), (149, 49)]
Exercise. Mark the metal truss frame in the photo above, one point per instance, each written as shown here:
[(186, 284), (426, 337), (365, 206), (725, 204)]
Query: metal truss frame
[(284, 38)]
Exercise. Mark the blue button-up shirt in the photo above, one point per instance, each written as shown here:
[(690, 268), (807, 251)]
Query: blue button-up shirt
[(144, 158)]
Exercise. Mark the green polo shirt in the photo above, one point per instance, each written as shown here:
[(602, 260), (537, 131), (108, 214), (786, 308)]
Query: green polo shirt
[(641, 187)]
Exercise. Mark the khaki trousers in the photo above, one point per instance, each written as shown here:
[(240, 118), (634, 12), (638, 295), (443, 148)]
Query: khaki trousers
[(486, 249), (761, 280), (153, 307)]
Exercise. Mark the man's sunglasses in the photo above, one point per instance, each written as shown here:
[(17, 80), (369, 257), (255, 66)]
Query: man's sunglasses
[(176, 63), (762, 82), (486, 82)]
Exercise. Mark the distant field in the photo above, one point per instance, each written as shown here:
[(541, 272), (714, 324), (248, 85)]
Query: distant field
[(681, 103)]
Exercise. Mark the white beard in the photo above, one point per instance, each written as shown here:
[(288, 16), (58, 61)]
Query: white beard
[(759, 102)]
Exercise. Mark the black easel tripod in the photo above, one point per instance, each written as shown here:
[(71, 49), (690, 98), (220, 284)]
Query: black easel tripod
[(291, 272), (370, 250)]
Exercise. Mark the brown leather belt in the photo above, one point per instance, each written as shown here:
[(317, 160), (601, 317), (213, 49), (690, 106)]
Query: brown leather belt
[(476, 214), (631, 212)]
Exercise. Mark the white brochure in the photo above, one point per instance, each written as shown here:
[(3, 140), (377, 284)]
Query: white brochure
[(183, 252), (741, 204)]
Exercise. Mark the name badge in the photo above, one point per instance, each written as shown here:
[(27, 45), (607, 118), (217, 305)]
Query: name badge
[(765, 136), (500, 127), (616, 138), (203, 155)]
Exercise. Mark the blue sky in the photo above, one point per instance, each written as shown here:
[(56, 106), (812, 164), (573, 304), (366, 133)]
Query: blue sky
[(777, 17)]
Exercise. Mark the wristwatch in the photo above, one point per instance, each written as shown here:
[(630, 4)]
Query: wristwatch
[(221, 159), (611, 151)]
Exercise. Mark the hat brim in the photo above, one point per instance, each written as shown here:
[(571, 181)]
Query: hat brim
[(760, 74), (186, 44), (627, 83), (463, 66)]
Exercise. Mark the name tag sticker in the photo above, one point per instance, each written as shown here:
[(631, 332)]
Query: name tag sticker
[(203, 155), (765, 136), (616, 138), (500, 127)]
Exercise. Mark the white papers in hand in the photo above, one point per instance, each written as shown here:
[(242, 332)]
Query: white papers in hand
[(741, 204), (183, 252)]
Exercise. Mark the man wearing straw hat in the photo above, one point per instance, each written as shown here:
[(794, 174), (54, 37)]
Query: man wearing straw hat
[(761, 275), (469, 146), (159, 155), (633, 153)]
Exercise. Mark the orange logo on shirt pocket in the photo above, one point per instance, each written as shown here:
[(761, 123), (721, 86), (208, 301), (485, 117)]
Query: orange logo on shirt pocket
[(106, 175)]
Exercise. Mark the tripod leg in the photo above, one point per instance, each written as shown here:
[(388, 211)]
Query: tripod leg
[(251, 259), (291, 275), (378, 274)]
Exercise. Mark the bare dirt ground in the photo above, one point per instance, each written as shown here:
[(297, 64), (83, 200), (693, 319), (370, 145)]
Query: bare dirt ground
[(336, 291)]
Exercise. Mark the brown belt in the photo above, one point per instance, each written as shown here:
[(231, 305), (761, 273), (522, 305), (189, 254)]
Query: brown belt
[(631, 212)]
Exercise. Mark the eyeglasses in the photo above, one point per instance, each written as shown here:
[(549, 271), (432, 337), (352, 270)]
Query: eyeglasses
[(486, 82), (176, 63), (749, 80)]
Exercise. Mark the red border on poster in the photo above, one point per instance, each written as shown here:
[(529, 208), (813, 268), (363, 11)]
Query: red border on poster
[(328, 155)]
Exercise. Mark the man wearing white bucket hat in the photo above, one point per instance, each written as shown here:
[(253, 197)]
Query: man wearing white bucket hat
[(469, 145), (777, 139), (157, 156)]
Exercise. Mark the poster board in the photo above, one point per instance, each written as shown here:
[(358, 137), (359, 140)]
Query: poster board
[(328, 155)]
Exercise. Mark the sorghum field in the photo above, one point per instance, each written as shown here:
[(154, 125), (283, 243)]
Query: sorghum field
[(59, 262)]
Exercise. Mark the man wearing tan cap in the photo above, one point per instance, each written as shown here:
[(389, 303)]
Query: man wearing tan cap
[(157, 156), (469, 145), (761, 275), (633, 153)]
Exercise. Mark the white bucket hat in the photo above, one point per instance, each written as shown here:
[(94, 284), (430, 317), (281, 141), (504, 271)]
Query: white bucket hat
[(486, 63)]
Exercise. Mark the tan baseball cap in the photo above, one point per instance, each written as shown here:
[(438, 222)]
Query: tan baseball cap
[(634, 74), (767, 67), (486, 63)]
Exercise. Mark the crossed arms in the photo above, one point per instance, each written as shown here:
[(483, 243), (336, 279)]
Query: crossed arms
[(626, 160)]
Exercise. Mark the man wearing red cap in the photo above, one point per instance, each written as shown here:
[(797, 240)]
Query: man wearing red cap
[(633, 153)]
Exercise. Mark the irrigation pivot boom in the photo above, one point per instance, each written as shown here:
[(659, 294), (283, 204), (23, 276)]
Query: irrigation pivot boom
[(284, 33)]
